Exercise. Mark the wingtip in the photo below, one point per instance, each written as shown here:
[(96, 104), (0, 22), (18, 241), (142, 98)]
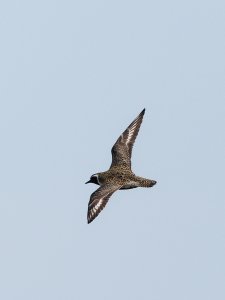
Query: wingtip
[(90, 219), (143, 112)]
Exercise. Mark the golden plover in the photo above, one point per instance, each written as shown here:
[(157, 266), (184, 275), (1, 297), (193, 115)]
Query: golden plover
[(119, 176)]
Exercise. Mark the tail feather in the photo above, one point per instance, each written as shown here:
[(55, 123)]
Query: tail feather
[(147, 182)]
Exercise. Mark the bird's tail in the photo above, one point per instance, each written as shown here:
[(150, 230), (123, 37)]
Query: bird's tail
[(146, 182)]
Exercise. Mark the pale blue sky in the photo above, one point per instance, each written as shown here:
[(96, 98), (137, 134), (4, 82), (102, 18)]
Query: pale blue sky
[(73, 75)]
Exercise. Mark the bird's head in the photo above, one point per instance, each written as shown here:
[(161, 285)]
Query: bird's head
[(93, 179)]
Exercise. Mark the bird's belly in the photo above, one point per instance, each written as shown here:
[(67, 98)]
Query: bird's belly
[(128, 186)]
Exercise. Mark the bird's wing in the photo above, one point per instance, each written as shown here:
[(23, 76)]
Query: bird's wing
[(122, 149), (99, 199)]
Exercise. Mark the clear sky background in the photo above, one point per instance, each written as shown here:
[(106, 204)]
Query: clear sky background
[(73, 75)]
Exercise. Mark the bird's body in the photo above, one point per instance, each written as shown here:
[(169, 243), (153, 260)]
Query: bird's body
[(124, 177), (119, 176)]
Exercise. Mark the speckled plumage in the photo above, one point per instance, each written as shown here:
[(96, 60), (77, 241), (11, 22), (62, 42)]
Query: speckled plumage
[(119, 175)]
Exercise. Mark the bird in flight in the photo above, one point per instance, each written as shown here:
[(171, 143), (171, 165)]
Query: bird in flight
[(119, 176)]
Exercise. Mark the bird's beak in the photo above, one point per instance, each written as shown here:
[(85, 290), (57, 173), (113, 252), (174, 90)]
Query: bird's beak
[(88, 181)]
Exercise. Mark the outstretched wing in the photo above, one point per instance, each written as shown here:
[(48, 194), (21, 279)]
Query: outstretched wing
[(122, 149), (99, 199)]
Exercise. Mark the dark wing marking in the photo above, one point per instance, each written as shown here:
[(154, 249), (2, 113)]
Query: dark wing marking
[(122, 149), (99, 199)]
